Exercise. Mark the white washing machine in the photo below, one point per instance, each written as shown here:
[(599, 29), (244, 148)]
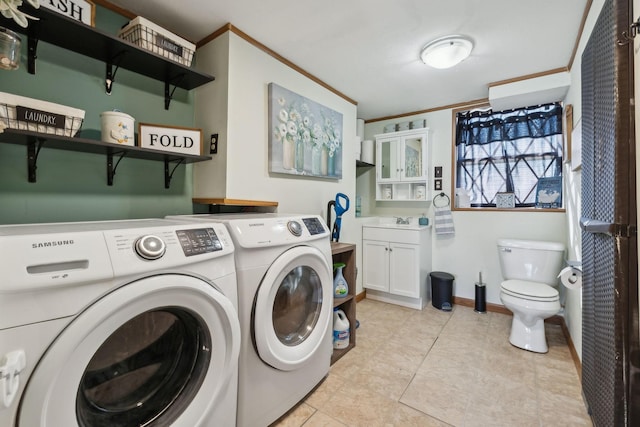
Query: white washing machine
[(118, 323), (285, 303)]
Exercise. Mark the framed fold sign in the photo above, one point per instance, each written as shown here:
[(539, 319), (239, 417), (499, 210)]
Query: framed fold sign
[(80, 10), (305, 137), (175, 139)]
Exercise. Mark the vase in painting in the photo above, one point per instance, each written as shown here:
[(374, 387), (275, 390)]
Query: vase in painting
[(316, 158), (288, 153), (324, 160), (299, 153), (331, 166)]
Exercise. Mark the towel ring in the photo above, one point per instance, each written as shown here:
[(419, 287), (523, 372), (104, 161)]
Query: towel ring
[(441, 195)]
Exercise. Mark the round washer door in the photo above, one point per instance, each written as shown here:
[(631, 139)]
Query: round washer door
[(292, 308), (161, 349)]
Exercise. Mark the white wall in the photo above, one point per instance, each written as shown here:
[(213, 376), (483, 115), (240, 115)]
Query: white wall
[(235, 105), (573, 305), (250, 72), (473, 248), (211, 114)]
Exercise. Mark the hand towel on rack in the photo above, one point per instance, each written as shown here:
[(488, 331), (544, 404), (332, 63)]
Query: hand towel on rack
[(443, 220)]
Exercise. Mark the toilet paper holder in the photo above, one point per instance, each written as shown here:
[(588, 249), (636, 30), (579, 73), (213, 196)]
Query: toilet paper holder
[(573, 263), (571, 276)]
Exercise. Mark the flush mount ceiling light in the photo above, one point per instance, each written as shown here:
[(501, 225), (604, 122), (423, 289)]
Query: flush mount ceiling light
[(446, 52)]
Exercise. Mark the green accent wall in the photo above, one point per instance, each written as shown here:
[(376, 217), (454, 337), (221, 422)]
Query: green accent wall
[(72, 186)]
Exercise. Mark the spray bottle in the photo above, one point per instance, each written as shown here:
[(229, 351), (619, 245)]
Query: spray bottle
[(340, 286)]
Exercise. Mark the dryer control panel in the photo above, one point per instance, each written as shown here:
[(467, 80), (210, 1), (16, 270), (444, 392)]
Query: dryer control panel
[(263, 231), (314, 225)]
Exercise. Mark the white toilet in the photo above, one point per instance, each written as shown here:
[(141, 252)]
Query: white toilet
[(530, 269)]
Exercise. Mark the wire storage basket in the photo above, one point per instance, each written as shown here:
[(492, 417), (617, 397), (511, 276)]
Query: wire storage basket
[(152, 37), (20, 112)]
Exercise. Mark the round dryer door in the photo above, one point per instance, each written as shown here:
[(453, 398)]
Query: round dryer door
[(160, 349), (292, 309)]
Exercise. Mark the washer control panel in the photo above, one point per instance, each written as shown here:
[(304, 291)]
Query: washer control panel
[(295, 228), (198, 241), (150, 247)]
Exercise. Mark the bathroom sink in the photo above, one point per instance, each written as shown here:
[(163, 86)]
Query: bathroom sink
[(385, 222)]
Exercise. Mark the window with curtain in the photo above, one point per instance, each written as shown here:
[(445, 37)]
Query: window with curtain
[(507, 152)]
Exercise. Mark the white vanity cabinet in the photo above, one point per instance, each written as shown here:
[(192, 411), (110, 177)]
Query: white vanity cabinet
[(402, 165), (396, 261)]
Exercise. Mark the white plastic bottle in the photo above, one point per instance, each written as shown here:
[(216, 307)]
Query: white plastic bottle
[(340, 329)]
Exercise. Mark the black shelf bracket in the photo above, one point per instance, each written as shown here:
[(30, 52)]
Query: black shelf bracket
[(168, 92), (111, 73), (33, 149), (168, 175), (32, 48), (111, 168)]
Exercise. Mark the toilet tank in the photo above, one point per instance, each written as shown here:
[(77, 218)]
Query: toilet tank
[(532, 260)]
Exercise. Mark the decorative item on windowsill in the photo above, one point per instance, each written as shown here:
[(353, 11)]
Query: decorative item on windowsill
[(462, 198), (505, 200), (549, 193), (481, 296)]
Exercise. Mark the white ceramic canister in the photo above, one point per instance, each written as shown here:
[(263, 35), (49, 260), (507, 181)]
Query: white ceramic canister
[(117, 127)]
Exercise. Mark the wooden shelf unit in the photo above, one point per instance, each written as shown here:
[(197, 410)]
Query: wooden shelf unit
[(346, 253)]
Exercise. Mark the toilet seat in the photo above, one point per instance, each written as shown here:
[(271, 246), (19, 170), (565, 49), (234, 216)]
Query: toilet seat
[(532, 291)]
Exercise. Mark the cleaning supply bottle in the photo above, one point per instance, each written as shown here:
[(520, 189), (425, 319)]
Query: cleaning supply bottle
[(340, 329), (340, 286)]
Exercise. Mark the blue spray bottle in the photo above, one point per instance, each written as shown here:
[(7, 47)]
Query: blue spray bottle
[(340, 286)]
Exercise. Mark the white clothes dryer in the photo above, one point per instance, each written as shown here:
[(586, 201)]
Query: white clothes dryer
[(285, 304), (118, 323)]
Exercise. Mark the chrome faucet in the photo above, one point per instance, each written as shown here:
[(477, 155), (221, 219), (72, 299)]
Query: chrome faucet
[(403, 221)]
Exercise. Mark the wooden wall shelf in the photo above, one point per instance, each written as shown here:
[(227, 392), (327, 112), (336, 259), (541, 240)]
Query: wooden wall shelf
[(233, 202), (67, 33), (35, 141)]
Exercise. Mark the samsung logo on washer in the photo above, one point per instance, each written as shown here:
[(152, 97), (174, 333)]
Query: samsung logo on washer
[(256, 224), (52, 244)]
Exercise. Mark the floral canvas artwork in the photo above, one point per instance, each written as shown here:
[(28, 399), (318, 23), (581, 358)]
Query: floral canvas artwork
[(305, 138)]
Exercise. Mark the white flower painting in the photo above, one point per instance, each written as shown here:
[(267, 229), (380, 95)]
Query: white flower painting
[(305, 138)]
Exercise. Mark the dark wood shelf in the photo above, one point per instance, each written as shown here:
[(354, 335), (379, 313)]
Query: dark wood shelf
[(34, 141), (338, 353), (339, 301), (360, 164), (346, 253), (67, 33), (85, 145)]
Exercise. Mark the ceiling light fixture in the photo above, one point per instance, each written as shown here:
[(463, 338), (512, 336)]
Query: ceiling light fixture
[(446, 52)]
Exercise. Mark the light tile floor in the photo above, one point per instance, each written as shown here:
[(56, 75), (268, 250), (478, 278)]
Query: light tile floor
[(432, 368)]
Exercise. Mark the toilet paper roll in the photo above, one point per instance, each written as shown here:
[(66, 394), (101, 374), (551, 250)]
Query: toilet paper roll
[(358, 147), (366, 154), (571, 277), (360, 128)]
